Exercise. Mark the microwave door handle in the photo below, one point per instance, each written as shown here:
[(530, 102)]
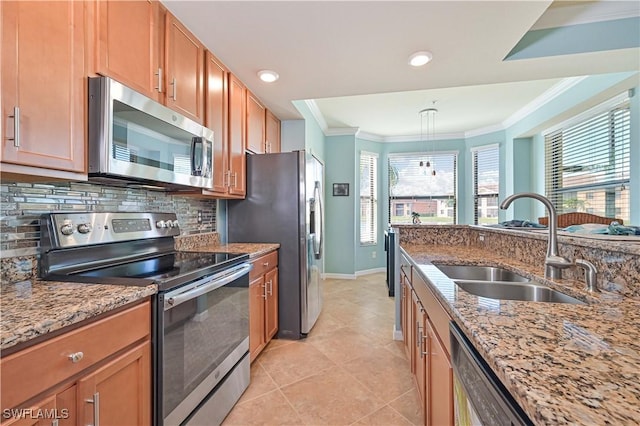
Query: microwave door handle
[(196, 170)]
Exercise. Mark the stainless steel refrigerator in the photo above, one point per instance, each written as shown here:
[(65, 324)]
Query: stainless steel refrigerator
[(284, 204)]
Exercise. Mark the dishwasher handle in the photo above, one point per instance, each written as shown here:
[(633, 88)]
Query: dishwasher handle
[(205, 285)]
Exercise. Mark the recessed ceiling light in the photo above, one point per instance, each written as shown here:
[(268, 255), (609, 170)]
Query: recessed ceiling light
[(268, 76), (419, 59)]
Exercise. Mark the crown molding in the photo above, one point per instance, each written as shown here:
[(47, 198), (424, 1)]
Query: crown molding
[(484, 130), (317, 115), (341, 131)]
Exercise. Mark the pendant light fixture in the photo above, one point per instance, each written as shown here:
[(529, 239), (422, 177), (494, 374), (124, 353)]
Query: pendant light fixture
[(428, 114)]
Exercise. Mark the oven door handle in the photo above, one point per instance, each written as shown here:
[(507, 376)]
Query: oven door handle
[(206, 285)]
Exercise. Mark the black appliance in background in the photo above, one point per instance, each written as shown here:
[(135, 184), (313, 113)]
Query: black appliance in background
[(390, 247), (200, 320)]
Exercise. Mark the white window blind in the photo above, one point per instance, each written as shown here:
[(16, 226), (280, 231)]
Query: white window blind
[(587, 165), (416, 189), (368, 198), (486, 179)]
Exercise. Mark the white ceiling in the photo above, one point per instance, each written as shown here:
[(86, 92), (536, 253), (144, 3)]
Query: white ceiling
[(350, 57)]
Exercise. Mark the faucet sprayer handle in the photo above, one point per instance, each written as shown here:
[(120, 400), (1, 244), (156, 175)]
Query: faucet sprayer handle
[(590, 274)]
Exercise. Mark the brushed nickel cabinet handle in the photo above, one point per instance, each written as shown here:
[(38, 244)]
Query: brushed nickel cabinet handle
[(264, 293), (96, 408), (159, 74), (76, 357), (16, 127), (426, 346), (270, 282), (174, 83), (235, 179)]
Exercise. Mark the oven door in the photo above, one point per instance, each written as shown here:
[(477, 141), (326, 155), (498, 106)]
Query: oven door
[(203, 332)]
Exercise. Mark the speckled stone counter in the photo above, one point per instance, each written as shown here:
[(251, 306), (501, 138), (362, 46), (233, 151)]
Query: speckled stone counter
[(210, 242), (34, 308), (563, 363)]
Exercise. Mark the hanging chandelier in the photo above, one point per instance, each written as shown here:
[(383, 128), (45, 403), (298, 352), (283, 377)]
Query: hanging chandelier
[(428, 114)]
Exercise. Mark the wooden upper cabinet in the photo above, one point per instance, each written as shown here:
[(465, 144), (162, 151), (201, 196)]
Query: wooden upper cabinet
[(255, 124), (127, 36), (43, 86), (216, 116), (272, 131), (184, 65), (237, 118)]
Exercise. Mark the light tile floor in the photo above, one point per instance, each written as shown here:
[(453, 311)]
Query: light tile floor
[(348, 371)]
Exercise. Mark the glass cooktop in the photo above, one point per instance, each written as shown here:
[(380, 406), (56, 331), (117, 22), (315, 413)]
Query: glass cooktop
[(168, 271)]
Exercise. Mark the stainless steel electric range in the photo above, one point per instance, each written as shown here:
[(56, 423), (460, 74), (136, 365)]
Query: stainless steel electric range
[(200, 314)]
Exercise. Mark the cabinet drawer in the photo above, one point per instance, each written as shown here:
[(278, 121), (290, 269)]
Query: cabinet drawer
[(33, 370), (263, 264)]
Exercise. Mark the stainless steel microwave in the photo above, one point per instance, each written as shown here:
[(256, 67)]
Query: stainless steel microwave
[(133, 138)]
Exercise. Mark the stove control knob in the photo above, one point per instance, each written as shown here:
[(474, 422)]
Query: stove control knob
[(169, 224), (176, 224), (66, 229), (84, 228), (161, 224)]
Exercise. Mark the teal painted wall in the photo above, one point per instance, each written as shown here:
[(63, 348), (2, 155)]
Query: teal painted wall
[(341, 212)]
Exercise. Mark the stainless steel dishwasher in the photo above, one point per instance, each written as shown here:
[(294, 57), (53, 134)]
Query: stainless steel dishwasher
[(479, 398)]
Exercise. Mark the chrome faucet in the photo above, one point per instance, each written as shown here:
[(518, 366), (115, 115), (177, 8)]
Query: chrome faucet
[(554, 263)]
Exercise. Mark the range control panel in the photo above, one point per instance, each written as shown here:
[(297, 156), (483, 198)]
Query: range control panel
[(77, 229)]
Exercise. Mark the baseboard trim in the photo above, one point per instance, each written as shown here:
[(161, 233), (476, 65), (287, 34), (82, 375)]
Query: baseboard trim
[(397, 335), (353, 276)]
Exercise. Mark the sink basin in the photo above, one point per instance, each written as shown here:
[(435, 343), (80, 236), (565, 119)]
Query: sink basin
[(515, 291), (480, 273)]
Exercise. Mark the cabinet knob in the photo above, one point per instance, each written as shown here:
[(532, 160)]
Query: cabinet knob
[(265, 264), (76, 357)]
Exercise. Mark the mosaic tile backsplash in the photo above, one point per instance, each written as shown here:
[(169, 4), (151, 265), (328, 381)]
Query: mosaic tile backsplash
[(21, 205)]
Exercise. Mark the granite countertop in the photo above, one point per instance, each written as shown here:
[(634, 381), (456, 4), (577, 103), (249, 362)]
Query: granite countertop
[(33, 308), (563, 363), (254, 249)]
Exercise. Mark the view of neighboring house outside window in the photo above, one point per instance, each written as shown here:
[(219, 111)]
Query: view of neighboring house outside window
[(486, 184), (423, 185), (587, 162), (368, 198)]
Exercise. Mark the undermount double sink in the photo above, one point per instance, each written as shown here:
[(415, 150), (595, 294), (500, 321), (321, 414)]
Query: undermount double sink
[(499, 283)]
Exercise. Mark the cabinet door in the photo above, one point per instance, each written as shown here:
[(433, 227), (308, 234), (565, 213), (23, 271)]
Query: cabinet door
[(257, 296), (119, 393), (255, 124), (440, 382), (272, 131), (184, 65), (128, 44), (43, 84), (216, 119), (271, 306), (420, 358), (237, 117)]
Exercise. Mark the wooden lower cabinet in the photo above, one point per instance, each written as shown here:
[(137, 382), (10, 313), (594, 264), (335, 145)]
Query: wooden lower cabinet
[(263, 302), (118, 393), (99, 373), (425, 328), (439, 401)]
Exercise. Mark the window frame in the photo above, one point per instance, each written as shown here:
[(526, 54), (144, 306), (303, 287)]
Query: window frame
[(450, 199), (612, 112), (474, 177), (370, 237)]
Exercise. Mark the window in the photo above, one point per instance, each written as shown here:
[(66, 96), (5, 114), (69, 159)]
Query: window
[(368, 198), (486, 162), (432, 197), (588, 163)]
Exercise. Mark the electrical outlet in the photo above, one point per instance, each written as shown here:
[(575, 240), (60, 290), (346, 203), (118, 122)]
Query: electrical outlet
[(373, 254), (199, 216)]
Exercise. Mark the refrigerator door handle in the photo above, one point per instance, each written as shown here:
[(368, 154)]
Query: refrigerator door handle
[(318, 234)]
